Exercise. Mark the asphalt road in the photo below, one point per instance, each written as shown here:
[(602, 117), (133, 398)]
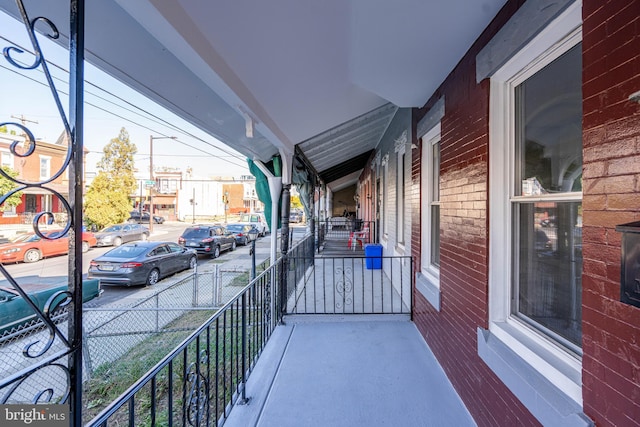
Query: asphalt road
[(54, 270)]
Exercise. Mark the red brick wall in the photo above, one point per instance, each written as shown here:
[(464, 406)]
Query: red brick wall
[(451, 333), (611, 189)]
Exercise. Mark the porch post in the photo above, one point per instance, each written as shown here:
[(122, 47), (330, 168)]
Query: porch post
[(287, 163), (76, 179)]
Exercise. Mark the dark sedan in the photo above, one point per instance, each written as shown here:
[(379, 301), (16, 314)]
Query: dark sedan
[(134, 216), (242, 233), (141, 263)]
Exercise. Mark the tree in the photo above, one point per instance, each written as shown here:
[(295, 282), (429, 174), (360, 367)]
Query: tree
[(108, 199), (295, 202), (7, 185)]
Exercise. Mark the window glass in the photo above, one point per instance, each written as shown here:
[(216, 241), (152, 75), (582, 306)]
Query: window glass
[(549, 127), (547, 240), (549, 282)]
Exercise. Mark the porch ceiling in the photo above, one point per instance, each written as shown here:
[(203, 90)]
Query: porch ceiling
[(326, 75)]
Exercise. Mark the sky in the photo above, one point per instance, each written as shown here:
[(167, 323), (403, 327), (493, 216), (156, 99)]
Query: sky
[(109, 106)]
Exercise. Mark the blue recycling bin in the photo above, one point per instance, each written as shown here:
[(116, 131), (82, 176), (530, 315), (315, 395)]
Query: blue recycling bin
[(373, 255)]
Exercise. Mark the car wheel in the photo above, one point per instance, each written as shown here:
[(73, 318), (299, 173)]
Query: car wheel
[(216, 252), (32, 255), (193, 262), (245, 242), (153, 277), (85, 247), (117, 241), (233, 245), (145, 236)]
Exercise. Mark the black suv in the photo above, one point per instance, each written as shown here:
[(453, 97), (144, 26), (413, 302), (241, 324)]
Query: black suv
[(134, 216), (208, 239)]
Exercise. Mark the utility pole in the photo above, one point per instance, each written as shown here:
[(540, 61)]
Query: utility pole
[(151, 188)]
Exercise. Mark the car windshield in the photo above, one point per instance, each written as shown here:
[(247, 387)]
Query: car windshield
[(126, 251), (112, 228), (191, 233), (234, 228), (26, 238)]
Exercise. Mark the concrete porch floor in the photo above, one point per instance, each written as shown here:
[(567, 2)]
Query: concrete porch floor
[(360, 370)]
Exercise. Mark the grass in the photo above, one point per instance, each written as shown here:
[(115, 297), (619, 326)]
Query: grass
[(111, 380)]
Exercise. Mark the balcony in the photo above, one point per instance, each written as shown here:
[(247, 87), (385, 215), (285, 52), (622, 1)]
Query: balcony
[(313, 340)]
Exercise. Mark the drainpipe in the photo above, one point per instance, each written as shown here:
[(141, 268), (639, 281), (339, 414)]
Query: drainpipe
[(287, 164)]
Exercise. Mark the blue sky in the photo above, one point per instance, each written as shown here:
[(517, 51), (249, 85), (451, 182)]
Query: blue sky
[(23, 94)]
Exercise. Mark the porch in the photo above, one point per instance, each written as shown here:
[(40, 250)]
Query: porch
[(329, 342), (348, 371)]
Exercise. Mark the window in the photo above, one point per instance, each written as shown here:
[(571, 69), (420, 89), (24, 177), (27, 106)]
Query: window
[(400, 199), (6, 159), (400, 149), (45, 167), (383, 196), (535, 204), (430, 251)]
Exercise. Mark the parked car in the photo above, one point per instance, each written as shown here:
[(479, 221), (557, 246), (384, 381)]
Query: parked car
[(141, 263), (30, 247), (208, 239), (258, 220), (296, 216), (242, 232), (115, 235), (134, 216), (15, 312)]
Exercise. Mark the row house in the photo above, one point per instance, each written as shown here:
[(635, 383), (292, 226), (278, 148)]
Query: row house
[(492, 150), (47, 160), (508, 188)]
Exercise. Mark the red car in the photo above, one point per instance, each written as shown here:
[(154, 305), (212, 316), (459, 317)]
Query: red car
[(30, 247)]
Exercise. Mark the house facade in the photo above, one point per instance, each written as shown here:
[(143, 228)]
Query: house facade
[(48, 158), (506, 188)]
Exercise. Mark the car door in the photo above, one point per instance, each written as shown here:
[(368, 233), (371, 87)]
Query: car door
[(162, 259), (55, 244), (127, 233)]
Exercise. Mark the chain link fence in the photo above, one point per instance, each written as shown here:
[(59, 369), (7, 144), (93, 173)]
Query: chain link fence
[(173, 312), (159, 321)]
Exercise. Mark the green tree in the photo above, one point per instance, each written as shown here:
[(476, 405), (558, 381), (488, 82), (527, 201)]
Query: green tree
[(108, 199), (7, 185), (295, 202)]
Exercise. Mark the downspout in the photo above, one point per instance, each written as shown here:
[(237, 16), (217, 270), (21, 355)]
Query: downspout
[(287, 171)]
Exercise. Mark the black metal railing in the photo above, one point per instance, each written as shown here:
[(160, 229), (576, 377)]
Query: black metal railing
[(199, 381), (354, 233), (350, 285)]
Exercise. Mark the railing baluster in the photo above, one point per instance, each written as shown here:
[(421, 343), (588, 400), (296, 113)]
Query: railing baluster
[(170, 403), (153, 401), (244, 347)]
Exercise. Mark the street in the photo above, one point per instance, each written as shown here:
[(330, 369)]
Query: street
[(54, 270)]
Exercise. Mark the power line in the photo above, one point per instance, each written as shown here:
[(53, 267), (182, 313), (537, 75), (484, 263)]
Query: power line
[(158, 120)]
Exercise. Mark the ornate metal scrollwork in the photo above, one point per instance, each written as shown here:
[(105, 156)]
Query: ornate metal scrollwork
[(344, 287), (31, 380), (198, 398)]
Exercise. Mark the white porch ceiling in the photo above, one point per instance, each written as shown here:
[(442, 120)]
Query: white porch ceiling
[(301, 70)]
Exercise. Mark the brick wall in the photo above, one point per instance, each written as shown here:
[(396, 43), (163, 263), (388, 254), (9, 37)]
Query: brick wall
[(611, 188), (451, 333)]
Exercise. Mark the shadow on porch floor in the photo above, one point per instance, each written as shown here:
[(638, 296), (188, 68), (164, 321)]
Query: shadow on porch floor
[(349, 371)]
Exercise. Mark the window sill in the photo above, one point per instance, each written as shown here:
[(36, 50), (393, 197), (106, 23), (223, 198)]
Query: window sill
[(429, 288), (525, 368)]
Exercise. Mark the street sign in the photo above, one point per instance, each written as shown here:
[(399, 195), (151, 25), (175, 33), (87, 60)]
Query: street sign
[(149, 183)]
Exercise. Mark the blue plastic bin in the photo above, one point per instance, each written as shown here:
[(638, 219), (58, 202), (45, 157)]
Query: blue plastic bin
[(373, 255)]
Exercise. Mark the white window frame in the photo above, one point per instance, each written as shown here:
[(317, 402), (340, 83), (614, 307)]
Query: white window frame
[(47, 160), (560, 367), (385, 195), (401, 188), (429, 270), (6, 158)]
